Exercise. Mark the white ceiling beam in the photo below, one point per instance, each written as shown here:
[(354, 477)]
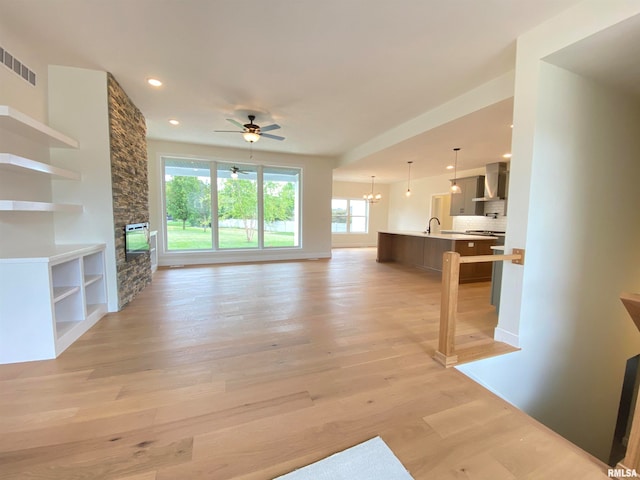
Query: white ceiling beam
[(494, 91)]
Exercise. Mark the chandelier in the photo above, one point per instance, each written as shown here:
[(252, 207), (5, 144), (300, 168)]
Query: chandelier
[(370, 197)]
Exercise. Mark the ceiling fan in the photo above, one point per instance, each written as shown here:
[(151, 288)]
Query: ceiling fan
[(235, 171), (252, 132)]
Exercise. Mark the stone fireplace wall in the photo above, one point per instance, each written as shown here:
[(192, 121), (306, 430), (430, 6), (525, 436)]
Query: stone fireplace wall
[(127, 130)]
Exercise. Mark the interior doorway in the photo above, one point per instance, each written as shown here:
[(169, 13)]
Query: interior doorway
[(440, 207)]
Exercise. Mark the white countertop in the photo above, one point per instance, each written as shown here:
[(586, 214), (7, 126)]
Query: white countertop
[(47, 253), (442, 236)]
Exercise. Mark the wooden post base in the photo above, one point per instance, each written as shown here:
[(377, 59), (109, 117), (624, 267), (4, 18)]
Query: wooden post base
[(447, 361)]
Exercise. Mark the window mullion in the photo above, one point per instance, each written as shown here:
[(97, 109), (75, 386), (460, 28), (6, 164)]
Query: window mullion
[(213, 166), (260, 192)]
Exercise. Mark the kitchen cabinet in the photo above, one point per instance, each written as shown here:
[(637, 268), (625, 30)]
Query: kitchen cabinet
[(475, 272), (425, 252), (462, 203)]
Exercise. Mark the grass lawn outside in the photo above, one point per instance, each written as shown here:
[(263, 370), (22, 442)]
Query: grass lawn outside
[(198, 238)]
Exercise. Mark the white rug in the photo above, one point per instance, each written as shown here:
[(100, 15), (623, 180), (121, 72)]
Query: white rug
[(371, 460)]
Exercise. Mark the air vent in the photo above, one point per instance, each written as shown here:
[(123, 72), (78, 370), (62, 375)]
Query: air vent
[(17, 67)]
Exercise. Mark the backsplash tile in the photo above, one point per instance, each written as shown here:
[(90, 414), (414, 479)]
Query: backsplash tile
[(462, 223)]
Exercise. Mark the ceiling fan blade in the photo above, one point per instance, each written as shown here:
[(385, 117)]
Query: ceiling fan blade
[(274, 137), (235, 122), (227, 131), (268, 128)]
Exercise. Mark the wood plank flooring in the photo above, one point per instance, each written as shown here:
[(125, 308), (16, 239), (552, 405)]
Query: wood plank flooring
[(251, 371)]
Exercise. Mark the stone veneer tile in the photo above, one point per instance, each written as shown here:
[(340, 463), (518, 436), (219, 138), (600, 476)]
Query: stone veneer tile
[(127, 129)]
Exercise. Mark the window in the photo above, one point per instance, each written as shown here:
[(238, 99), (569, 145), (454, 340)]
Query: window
[(349, 216), (221, 206), (281, 203), (237, 206), (187, 186)]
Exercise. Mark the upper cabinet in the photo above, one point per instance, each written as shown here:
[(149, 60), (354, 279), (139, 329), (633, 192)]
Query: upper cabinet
[(12, 120), (462, 203)]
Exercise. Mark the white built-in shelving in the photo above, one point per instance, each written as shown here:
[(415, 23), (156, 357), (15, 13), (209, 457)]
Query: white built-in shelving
[(18, 163), (153, 250), (17, 122), (29, 206), (49, 298), (14, 121), (49, 295)]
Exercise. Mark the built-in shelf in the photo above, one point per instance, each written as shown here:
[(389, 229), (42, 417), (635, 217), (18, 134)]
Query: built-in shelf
[(89, 279), (17, 122), (28, 206), (96, 309), (15, 162), (153, 250), (60, 293), (64, 327), (43, 326)]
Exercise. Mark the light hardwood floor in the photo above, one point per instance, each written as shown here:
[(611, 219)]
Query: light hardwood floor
[(251, 371)]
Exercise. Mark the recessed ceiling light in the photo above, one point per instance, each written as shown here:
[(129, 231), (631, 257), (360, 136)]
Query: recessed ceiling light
[(449, 167), (512, 125), (154, 82), (506, 155), (173, 121)]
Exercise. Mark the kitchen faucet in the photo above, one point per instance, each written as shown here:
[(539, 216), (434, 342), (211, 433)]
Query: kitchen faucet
[(428, 230)]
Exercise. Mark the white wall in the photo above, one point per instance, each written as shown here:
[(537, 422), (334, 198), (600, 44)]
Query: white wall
[(378, 213), (412, 213), (15, 91), (316, 202), (573, 203), (24, 229), (78, 106)]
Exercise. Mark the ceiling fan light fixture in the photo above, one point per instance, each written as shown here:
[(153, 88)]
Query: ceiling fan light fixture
[(251, 137)]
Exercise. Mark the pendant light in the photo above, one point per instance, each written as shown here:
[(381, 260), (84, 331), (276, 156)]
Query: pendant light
[(408, 192), (370, 197), (455, 188)]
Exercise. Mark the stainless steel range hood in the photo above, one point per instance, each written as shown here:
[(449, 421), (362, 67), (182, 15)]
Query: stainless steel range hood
[(495, 182)]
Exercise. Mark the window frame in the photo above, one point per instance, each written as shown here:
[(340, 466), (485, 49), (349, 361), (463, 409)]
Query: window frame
[(349, 216), (213, 165)]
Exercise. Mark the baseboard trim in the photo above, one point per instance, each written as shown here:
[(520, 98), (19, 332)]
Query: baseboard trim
[(209, 258), (501, 335)]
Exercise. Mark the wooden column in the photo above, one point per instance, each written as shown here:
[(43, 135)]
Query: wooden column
[(449, 303), (632, 458)]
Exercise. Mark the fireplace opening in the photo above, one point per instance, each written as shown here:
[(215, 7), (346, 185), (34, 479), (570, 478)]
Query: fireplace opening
[(136, 240)]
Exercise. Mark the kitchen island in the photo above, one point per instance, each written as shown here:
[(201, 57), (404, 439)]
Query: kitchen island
[(423, 250)]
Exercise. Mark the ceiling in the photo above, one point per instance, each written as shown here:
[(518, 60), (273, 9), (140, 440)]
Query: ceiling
[(333, 73)]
